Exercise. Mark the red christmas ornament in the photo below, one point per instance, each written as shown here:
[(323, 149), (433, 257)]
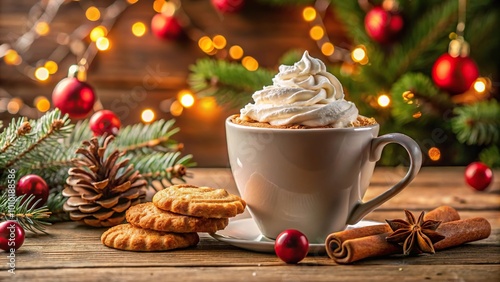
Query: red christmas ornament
[(228, 6), (454, 74), (11, 235), (478, 175), (104, 121), (166, 27), (73, 97), (291, 246), (33, 185), (383, 26)]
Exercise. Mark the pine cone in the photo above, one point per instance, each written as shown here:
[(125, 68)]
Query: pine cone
[(100, 188)]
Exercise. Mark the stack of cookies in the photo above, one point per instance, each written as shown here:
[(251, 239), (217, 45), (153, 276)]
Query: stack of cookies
[(173, 218)]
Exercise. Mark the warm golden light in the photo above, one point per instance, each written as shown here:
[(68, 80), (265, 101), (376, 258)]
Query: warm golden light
[(417, 115), (358, 54), (42, 28), (383, 100), (434, 154), (12, 57), (208, 103), (176, 108), (168, 8), (327, 49), (309, 14), (98, 32), (42, 73), (147, 115), (42, 104), (132, 1), (139, 29), (102, 43), (51, 66), (250, 63), (219, 42), (479, 85), (14, 105), (93, 14), (186, 98), (157, 5), (206, 45), (236, 52), (316, 32)]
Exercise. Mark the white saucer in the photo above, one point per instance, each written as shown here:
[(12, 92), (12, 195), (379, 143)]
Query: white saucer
[(245, 234)]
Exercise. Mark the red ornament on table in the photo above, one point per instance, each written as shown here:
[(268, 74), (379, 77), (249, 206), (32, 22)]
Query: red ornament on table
[(383, 26), (166, 27), (11, 235), (478, 175), (291, 246), (104, 121), (74, 96), (33, 184), (228, 6), (454, 74)]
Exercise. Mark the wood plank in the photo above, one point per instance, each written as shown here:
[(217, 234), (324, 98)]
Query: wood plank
[(302, 272)]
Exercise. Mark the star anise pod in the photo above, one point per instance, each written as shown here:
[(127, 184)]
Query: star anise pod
[(414, 235)]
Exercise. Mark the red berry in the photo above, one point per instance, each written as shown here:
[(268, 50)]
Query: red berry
[(33, 184), (478, 175), (291, 246), (104, 121), (11, 235)]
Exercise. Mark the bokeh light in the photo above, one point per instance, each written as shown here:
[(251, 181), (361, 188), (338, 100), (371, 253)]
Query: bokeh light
[(138, 29), (358, 54), (309, 14), (316, 32), (250, 63), (236, 52), (186, 98), (327, 49), (51, 66), (98, 32), (42, 104), (147, 115), (434, 154), (92, 14), (158, 4), (383, 100), (12, 58), (176, 108), (42, 28), (42, 73), (102, 43), (479, 85), (219, 42), (206, 45), (14, 105)]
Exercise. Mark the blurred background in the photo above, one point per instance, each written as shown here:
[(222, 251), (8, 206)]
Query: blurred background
[(425, 68)]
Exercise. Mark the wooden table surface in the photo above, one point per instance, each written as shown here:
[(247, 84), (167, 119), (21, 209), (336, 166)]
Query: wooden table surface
[(73, 252)]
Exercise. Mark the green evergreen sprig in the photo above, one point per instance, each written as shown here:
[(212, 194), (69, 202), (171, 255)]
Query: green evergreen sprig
[(169, 166), (478, 123), (230, 83), (24, 212), (491, 156)]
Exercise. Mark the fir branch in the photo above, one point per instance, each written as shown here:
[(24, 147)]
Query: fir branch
[(147, 138), (160, 166), (46, 131), (491, 156), (11, 139), (415, 95), (478, 123), (229, 83), (30, 218)]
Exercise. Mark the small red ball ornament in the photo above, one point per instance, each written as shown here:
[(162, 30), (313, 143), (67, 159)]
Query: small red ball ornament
[(104, 121), (478, 175), (33, 185), (73, 97), (383, 26), (166, 27), (291, 246), (454, 74), (228, 6), (11, 235)]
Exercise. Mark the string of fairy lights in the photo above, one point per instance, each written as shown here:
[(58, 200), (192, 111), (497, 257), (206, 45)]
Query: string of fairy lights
[(100, 20)]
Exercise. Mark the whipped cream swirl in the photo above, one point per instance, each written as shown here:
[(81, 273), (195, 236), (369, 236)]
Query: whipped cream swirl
[(304, 94)]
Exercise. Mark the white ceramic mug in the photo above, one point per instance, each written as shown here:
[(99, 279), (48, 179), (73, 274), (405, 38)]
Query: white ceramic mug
[(312, 180)]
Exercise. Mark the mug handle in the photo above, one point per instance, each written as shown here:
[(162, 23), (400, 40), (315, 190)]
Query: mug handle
[(377, 145)]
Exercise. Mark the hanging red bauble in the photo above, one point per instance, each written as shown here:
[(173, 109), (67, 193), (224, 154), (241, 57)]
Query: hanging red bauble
[(33, 184), (228, 6), (383, 26), (454, 74), (11, 235), (104, 121), (478, 175), (166, 27), (73, 97)]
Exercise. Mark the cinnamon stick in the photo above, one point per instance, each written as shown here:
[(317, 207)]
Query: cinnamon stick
[(457, 232), (335, 241)]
